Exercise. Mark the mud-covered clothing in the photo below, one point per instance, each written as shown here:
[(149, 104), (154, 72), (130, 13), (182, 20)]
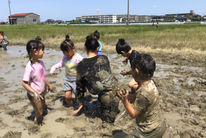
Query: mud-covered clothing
[(156, 133), (35, 76), (148, 106), (94, 74), (132, 56)]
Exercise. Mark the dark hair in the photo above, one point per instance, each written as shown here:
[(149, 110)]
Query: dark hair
[(38, 38), (33, 45), (91, 44), (145, 64), (96, 34), (67, 44), (122, 46)]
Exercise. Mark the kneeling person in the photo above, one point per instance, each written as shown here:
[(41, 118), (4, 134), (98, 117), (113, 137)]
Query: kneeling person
[(146, 109), (94, 74)]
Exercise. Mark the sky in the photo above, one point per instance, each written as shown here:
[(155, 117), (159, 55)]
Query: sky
[(70, 9)]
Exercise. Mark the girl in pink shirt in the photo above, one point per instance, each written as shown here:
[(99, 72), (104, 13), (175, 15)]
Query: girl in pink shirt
[(69, 61), (34, 80)]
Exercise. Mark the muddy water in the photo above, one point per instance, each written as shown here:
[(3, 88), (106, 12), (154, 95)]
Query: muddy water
[(182, 90)]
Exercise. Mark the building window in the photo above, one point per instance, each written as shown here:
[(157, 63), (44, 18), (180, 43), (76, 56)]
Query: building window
[(34, 20)]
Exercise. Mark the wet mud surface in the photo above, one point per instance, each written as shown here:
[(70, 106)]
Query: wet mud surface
[(181, 83)]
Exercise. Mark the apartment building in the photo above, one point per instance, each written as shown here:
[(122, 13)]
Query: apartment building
[(98, 18)]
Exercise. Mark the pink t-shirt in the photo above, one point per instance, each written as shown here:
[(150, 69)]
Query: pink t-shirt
[(35, 75)]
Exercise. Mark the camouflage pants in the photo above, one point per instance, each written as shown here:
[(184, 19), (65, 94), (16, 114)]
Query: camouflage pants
[(109, 106), (157, 133)]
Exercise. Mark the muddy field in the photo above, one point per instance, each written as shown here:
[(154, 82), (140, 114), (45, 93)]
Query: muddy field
[(181, 83)]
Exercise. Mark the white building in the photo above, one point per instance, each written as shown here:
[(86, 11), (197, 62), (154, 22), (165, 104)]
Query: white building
[(99, 18)]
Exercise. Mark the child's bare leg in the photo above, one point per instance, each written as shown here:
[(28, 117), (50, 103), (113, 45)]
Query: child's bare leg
[(36, 110), (68, 98), (39, 111)]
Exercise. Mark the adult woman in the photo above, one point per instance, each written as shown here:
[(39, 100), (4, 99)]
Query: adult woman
[(94, 74)]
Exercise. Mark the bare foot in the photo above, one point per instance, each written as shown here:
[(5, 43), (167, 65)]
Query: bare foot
[(77, 111)]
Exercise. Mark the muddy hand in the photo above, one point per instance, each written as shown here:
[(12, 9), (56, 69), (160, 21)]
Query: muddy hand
[(38, 97), (122, 93), (124, 72), (125, 61), (52, 89)]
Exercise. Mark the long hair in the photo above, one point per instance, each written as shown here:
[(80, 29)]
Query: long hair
[(91, 44)]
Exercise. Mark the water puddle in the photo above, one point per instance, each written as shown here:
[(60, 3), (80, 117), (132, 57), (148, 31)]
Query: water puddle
[(15, 59)]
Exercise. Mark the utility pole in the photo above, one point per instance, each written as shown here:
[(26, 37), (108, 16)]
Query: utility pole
[(9, 2), (127, 12)]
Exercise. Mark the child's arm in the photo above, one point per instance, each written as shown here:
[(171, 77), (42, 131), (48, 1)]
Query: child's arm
[(57, 66), (49, 86), (26, 85), (124, 72), (125, 61)]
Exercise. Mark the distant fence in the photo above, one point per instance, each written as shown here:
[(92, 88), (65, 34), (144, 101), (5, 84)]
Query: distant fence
[(123, 24), (160, 23)]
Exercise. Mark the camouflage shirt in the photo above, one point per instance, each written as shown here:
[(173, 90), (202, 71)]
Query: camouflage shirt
[(147, 103), (94, 74)]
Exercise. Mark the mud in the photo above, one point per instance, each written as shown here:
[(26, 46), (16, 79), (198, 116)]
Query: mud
[(180, 81)]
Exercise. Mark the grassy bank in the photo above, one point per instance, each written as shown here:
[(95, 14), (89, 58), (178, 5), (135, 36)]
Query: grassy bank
[(173, 38)]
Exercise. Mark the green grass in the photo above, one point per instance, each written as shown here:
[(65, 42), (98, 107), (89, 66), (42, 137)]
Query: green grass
[(190, 36)]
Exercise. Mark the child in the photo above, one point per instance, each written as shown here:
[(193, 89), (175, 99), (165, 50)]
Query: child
[(38, 38), (34, 80), (125, 50), (96, 36), (3, 40), (69, 61), (146, 109)]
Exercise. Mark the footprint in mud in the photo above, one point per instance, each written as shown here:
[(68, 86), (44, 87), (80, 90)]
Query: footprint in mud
[(47, 135), (2, 125), (77, 129), (13, 113), (12, 134), (33, 129), (118, 133), (61, 120), (13, 66), (2, 79)]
